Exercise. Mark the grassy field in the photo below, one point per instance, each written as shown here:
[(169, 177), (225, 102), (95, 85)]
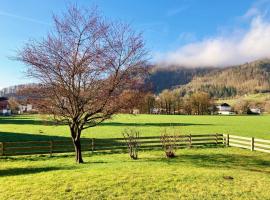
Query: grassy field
[(194, 174), (34, 127)]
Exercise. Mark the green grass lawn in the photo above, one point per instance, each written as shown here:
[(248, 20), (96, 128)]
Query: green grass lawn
[(33, 127), (193, 174)]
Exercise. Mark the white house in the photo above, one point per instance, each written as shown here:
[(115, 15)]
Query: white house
[(225, 109), (256, 111), (25, 108)]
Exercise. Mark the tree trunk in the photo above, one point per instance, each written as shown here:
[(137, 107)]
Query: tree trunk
[(78, 150), (76, 135)]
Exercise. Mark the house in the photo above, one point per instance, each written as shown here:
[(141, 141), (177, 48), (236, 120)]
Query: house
[(255, 111), (135, 111), (4, 108), (224, 109), (25, 108)]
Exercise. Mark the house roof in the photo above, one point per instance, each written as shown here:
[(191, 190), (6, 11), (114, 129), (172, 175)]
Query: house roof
[(225, 105), (3, 98)]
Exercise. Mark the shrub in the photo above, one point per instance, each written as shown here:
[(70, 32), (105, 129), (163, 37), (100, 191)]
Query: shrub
[(131, 137), (169, 144)]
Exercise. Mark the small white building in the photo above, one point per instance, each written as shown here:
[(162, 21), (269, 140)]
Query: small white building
[(5, 112), (225, 109), (135, 111), (256, 111), (25, 108)]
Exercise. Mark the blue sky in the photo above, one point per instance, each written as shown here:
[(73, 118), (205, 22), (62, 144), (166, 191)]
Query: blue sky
[(176, 31)]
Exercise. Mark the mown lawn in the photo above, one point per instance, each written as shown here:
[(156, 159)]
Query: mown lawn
[(194, 174), (34, 127)]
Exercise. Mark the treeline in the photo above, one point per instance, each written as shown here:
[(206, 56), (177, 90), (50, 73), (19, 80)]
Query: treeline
[(170, 102), (199, 103)]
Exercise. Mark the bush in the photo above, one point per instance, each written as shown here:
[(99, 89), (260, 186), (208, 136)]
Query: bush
[(131, 137), (169, 144)]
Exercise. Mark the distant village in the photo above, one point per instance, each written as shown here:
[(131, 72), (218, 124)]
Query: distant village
[(11, 103)]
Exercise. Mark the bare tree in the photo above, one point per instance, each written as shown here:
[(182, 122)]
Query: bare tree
[(85, 68)]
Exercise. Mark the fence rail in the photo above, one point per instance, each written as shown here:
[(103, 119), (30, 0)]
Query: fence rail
[(92, 144), (151, 142), (251, 143)]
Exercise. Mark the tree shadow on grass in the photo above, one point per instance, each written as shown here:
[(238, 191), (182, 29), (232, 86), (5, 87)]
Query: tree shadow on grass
[(151, 124), (26, 121), (14, 137), (30, 170), (219, 161), (32, 121)]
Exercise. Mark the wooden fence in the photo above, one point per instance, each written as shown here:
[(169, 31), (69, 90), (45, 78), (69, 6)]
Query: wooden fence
[(91, 144), (41, 147), (251, 143), (152, 142)]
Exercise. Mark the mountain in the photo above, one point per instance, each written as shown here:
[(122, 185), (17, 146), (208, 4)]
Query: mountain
[(170, 77), (243, 79)]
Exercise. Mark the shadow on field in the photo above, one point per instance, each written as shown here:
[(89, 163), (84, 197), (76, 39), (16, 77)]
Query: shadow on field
[(25, 121), (227, 161), (14, 137), (151, 124), (24, 171), (31, 121)]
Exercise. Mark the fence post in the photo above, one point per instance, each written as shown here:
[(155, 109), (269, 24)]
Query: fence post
[(228, 140), (252, 144), (93, 148), (190, 141), (51, 148), (216, 138), (2, 149)]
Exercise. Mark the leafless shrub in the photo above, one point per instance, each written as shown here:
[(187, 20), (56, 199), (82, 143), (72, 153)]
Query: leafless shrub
[(169, 143), (131, 137)]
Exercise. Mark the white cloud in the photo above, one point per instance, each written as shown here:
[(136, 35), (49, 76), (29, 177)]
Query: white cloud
[(176, 11), (22, 18), (252, 44)]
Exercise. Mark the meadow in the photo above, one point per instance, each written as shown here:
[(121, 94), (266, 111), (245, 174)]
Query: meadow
[(35, 127), (196, 173), (193, 174)]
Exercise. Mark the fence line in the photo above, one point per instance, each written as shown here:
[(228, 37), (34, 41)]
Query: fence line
[(150, 142), (97, 144), (251, 143)]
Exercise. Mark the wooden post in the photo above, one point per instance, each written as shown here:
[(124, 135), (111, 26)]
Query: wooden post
[(93, 148), (51, 148), (216, 138), (252, 144), (228, 140), (2, 149), (190, 141)]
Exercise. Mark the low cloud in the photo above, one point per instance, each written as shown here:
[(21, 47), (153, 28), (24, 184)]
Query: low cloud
[(220, 51)]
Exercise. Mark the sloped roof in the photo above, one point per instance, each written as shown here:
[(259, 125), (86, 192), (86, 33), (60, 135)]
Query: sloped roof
[(225, 105), (3, 98)]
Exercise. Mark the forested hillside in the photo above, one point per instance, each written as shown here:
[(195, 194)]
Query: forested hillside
[(170, 77), (248, 78), (243, 79)]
